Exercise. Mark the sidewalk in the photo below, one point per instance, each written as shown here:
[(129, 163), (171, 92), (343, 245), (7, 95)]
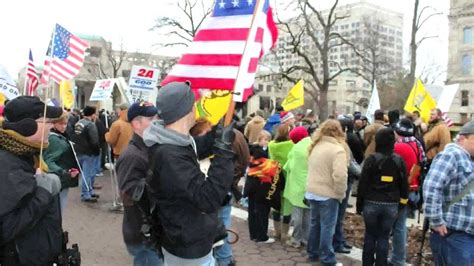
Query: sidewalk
[(247, 252)]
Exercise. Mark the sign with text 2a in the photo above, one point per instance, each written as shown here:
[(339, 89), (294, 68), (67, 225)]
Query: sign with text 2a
[(143, 78), (102, 90)]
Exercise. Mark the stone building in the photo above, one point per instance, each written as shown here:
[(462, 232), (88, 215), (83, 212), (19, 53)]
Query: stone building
[(460, 59)]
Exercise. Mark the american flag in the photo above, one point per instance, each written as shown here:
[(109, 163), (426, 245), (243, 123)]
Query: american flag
[(447, 120), (31, 76), (66, 59), (226, 41)]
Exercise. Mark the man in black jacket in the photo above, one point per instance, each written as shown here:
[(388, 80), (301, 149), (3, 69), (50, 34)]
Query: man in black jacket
[(186, 200), (87, 146), (30, 222), (132, 166)]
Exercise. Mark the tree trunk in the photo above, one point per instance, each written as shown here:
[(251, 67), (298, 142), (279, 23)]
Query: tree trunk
[(323, 103), (411, 75)]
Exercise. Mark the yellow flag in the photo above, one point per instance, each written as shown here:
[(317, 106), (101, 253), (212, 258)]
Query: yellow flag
[(420, 100), (2, 99), (295, 97), (213, 105), (65, 93)]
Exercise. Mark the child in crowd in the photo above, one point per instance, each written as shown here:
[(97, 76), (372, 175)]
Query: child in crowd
[(262, 177)]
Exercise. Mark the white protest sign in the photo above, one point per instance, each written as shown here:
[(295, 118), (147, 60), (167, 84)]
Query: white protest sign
[(102, 90), (143, 78), (7, 85)]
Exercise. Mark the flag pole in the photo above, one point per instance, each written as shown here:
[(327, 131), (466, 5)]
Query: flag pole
[(26, 75), (46, 98), (231, 110)]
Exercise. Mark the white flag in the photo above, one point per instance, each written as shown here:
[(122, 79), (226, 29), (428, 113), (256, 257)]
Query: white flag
[(7, 85), (374, 104)]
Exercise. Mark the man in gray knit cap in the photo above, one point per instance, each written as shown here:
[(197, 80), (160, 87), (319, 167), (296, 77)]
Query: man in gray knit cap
[(186, 200)]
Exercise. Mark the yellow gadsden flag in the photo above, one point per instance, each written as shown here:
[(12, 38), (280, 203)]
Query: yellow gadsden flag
[(213, 105), (420, 100), (295, 97), (65, 93)]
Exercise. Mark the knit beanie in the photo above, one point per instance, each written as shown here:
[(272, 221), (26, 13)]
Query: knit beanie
[(285, 116), (298, 133), (174, 101), (405, 128)]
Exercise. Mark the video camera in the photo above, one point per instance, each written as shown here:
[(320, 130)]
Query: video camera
[(69, 256)]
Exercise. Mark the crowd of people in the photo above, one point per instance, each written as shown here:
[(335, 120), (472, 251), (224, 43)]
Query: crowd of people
[(296, 170)]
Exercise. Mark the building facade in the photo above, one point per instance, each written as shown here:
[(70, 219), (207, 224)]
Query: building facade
[(367, 26), (460, 59), (103, 62)]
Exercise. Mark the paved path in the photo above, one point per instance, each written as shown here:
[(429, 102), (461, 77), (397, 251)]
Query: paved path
[(99, 234)]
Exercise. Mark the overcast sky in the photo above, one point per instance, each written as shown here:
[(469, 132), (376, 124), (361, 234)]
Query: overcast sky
[(29, 24)]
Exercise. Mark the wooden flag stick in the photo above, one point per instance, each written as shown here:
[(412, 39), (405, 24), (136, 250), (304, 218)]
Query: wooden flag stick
[(231, 110)]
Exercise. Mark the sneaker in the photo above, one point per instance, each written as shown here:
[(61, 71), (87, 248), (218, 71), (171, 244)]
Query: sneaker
[(89, 200), (269, 241), (100, 174), (293, 244), (95, 196)]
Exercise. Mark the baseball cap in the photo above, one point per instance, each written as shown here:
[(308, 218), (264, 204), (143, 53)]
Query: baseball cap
[(141, 109)]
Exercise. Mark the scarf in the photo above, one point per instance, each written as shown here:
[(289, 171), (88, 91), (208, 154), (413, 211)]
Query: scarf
[(264, 169), (422, 155), (15, 143)]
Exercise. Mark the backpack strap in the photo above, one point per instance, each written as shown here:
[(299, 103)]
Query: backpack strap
[(461, 195)]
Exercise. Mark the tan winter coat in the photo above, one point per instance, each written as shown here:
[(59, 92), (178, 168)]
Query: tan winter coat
[(437, 137), (253, 128), (120, 134), (369, 137), (327, 169)]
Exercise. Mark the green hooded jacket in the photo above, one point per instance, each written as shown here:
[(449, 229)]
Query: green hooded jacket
[(60, 158), (296, 169), (278, 151)]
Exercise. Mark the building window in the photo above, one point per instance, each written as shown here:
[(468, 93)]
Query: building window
[(467, 35), (269, 88), (464, 98), (466, 64), (260, 87)]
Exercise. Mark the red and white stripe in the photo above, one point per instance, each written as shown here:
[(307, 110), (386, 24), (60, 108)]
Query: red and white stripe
[(32, 78), (59, 70), (219, 48), (447, 120)]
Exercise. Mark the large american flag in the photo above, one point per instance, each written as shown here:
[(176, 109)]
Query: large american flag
[(31, 76), (66, 60), (226, 41)]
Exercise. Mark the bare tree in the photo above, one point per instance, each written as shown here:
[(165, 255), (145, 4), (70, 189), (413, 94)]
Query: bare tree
[(419, 19), (182, 31), (375, 65), (310, 37)]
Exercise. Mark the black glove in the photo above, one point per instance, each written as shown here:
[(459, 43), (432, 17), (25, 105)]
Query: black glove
[(224, 137)]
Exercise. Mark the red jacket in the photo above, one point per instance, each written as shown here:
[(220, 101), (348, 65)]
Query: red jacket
[(409, 152)]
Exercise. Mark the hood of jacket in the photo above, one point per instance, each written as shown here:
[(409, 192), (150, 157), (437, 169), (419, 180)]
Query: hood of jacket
[(156, 133)]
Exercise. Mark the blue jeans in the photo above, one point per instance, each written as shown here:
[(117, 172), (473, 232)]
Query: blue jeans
[(378, 219), (98, 168), (172, 260), (223, 254), (457, 248), (88, 171), (399, 240), (301, 218), (321, 233), (144, 256), (339, 238)]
